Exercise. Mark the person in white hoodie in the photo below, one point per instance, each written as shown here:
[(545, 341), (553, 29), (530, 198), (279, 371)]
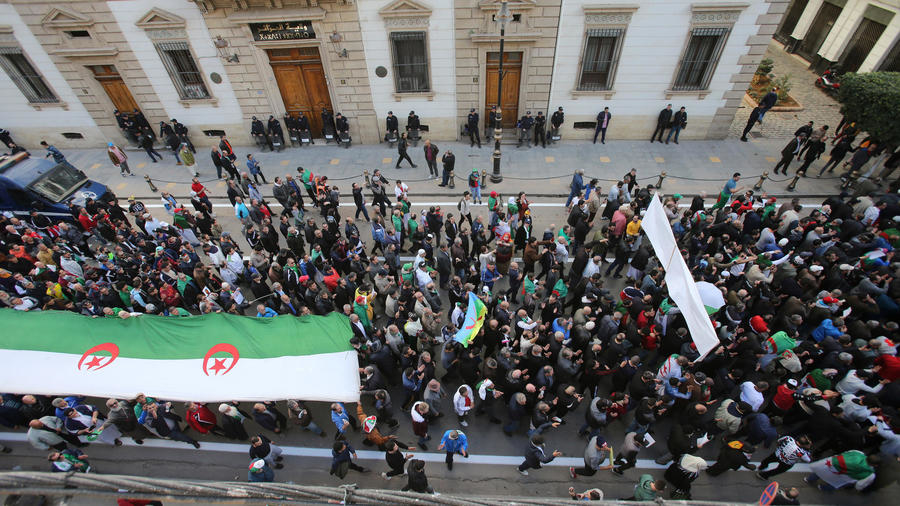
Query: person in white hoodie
[(463, 402), (855, 381)]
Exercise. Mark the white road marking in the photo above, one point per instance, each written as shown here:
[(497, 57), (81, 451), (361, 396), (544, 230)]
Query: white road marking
[(303, 451), (427, 204)]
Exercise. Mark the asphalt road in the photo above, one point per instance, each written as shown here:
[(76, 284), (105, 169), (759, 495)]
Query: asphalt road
[(307, 456)]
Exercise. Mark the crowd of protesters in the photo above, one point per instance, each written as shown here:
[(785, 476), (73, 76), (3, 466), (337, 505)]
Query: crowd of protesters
[(806, 369)]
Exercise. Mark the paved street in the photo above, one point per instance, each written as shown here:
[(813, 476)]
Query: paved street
[(489, 472), (817, 105)]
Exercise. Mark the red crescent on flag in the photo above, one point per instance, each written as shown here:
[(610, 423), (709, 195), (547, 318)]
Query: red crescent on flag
[(108, 347), (227, 348)]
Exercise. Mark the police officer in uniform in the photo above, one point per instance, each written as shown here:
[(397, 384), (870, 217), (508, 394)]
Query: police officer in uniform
[(275, 130), (557, 120), (303, 126), (258, 131), (525, 124), (472, 122), (540, 129)]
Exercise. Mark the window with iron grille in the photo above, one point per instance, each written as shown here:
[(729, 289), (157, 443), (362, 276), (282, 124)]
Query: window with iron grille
[(700, 58), (179, 63), (27, 79), (601, 54), (410, 62)]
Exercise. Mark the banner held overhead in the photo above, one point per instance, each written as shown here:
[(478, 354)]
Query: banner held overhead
[(679, 281), (208, 358)]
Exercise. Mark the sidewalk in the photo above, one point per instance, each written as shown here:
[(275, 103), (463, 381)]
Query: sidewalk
[(691, 167)]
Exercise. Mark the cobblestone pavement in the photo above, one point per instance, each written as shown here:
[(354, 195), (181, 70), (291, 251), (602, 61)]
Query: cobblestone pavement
[(817, 105)]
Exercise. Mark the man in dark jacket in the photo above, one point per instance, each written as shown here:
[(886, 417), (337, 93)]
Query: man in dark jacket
[(789, 152), (342, 127), (276, 134), (392, 125), (258, 131), (472, 126), (416, 479), (431, 152), (754, 117), (262, 447), (449, 160), (603, 118), (401, 150), (146, 141), (535, 456), (525, 124), (678, 122), (662, 123), (768, 101), (540, 129)]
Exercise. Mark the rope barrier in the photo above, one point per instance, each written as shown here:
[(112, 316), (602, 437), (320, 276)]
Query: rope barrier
[(360, 177)]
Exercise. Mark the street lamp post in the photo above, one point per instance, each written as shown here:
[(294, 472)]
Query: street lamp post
[(503, 17)]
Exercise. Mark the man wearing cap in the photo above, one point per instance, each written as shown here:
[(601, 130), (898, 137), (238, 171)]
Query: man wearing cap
[(118, 158), (598, 456), (449, 161), (556, 121), (524, 126), (453, 442), (260, 472), (472, 127), (540, 129), (262, 447)]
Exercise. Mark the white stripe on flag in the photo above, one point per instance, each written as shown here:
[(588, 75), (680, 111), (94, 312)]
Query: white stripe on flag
[(324, 377)]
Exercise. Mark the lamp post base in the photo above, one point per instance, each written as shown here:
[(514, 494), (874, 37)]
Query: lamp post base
[(496, 177)]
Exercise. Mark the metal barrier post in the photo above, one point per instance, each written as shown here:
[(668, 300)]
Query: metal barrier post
[(483, 178), (150, 182), (762, 179), (452, 182), (368, 181), (662, 175), (793, 186)]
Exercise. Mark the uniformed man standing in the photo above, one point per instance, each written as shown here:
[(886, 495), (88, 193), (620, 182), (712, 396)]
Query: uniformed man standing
[(557, 120), (525, 124), (472, 122), (258, 131), (540, 129)]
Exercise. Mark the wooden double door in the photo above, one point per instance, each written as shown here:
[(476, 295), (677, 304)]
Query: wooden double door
[(301, 80), (512, 73), (115, 88)]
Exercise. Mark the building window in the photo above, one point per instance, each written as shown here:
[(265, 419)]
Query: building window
[(179, 62), (700, 58), (410, 62), (601, 54), (25, 76)]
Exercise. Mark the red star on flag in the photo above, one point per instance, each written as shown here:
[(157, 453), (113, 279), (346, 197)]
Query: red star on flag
[(219, 365), (95, 361)]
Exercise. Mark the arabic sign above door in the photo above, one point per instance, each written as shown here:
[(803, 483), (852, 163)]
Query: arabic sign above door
[(288, 30)]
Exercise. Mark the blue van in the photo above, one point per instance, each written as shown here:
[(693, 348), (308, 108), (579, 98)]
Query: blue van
[(33, 183)]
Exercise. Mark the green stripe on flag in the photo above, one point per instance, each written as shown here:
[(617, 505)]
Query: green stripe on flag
[(169, 338)]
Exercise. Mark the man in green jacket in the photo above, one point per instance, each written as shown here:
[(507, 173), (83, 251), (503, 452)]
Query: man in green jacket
[(647, 489)]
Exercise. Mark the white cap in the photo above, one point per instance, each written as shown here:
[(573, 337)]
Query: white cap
[(783, 242), (816, 268)]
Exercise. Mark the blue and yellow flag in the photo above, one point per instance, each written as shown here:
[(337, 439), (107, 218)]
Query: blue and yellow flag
[(475, 314)]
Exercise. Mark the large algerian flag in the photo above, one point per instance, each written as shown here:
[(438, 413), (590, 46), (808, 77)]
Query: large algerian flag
[(475, 314), (210, 358)]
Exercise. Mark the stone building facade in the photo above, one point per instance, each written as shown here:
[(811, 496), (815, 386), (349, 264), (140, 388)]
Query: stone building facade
[(214, 64), (854, 35)]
